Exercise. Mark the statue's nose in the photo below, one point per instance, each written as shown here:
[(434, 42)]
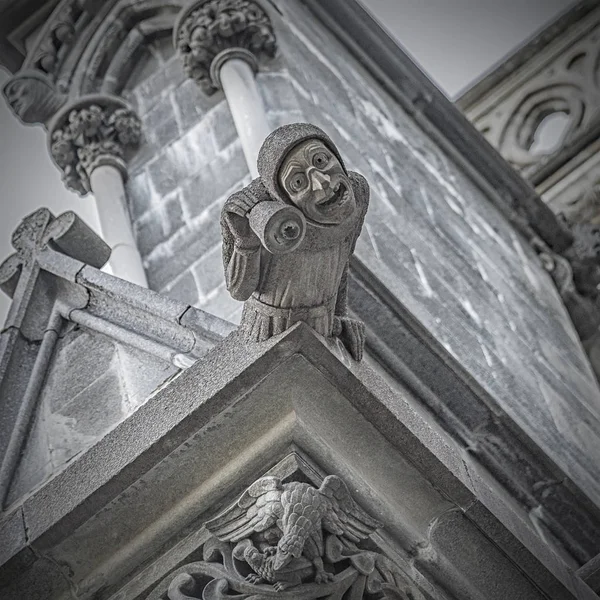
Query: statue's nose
[(320, 181)]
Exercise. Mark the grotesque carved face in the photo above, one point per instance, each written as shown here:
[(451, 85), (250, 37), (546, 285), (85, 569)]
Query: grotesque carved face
[(19, 96), (315, 181), (32, 99)]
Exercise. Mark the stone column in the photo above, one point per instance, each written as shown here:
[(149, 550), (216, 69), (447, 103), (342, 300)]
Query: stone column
[(221, 43), (90, 141)]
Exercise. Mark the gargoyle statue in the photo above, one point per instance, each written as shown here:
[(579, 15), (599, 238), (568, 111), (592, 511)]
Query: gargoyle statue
[(280, 529), (289, 235)]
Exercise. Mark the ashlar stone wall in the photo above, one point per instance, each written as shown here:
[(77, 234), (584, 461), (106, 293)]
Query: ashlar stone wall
[(93, 383), (432, 237)]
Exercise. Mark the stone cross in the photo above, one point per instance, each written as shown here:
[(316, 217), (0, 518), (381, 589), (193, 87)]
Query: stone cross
[(36, 240)]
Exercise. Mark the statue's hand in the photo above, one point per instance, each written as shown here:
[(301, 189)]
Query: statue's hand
[(352, 334), (236, 211)]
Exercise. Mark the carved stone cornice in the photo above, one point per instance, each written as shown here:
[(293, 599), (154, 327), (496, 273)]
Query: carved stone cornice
[(93, 131), (207, 28)]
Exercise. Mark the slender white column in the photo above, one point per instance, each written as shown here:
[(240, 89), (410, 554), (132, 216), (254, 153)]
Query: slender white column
[(90, 140), (107, 186), (236, 77)]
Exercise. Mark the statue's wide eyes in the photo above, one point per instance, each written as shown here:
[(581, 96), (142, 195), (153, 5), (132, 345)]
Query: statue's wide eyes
[(298, 182), (320, 159)]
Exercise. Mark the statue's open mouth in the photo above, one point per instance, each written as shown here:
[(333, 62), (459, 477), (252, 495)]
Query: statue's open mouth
[(340, 194)]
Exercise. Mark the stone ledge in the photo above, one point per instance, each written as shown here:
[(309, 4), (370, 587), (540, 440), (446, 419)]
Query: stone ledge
[(218, 426)]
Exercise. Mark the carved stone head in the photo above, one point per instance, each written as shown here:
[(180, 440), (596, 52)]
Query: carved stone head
[(300, 165), (32, 97)]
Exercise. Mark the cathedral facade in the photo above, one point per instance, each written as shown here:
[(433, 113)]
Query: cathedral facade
[(344, 362)]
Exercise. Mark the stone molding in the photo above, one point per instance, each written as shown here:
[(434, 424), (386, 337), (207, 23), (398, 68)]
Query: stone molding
[(191, 450), (93, 131), (207, 28)]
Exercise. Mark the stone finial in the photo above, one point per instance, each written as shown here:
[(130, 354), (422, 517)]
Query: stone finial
[(66, 233), (32, 97), (208, 30), (291, 540), (289, 235), (90, 132)]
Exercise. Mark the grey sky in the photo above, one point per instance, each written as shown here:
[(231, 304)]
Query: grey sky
[(454, 41)]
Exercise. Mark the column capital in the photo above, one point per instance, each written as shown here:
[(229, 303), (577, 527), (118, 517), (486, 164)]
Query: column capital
[(93, 131), (207, 28)]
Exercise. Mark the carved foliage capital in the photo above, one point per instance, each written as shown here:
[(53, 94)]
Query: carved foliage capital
[(92, 132), (207, 28)]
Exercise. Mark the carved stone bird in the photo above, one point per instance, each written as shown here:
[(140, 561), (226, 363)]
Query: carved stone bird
[(300, 513)]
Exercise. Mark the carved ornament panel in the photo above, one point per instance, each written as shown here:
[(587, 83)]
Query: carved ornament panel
[(290, 541)]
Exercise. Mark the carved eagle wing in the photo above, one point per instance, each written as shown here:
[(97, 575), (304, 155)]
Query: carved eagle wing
[(257, 509), (344, 517)]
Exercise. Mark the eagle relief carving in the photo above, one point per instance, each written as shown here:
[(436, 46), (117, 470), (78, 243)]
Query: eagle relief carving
[(288, 237), (291, 541)]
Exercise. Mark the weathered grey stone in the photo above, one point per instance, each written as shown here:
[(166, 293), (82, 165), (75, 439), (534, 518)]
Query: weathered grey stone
[(287, 558), (32, 96), (192, 103), (89, 132), (183, 249), (79, 360), (35, 464), (161, 124), (139, 195), (160, 223), (214, 181), (289, 235), (98, 407), (162, 442), (224, 130), (184, 289), (277, 92), (141, 374), (490, 573), (208, 271)]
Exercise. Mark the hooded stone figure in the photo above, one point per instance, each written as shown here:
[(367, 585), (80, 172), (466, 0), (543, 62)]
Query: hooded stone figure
[(289, 235)]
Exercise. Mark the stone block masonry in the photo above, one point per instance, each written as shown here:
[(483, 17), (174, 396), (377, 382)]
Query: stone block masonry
[(439, 245)]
